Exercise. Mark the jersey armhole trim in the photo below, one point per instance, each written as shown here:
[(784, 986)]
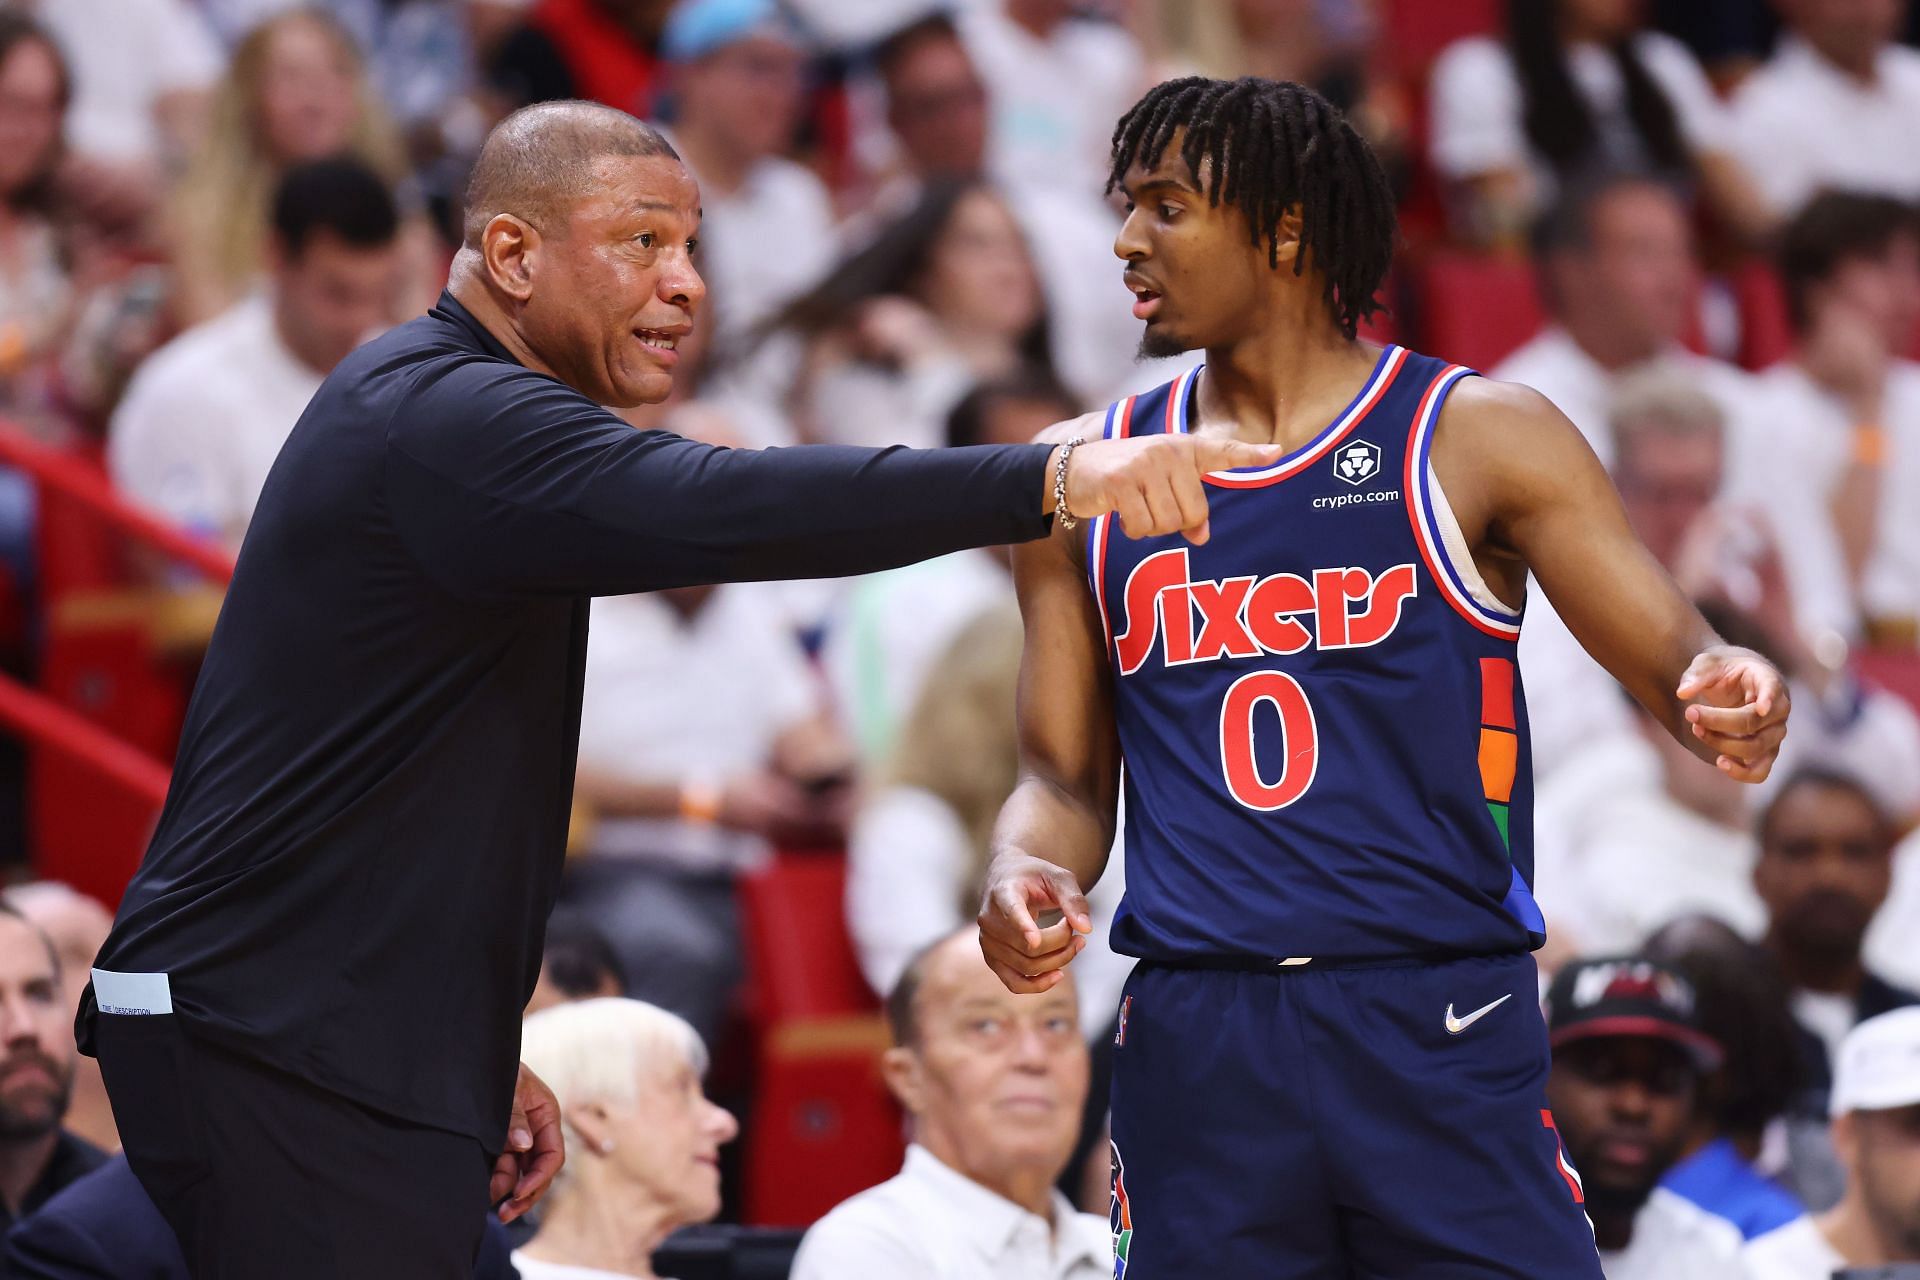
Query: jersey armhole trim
[(1445, 558), (1119, 422)]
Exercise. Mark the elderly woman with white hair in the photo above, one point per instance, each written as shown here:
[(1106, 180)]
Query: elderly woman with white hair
[(643, 1141)]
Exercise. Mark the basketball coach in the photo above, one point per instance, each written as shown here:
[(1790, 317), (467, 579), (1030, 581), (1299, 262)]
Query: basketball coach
[(308, 1012)]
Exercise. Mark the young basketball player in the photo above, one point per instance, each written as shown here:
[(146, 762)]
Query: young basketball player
[(1330, 1061)]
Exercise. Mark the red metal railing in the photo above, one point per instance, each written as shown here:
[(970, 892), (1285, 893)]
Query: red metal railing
[(122, 783)]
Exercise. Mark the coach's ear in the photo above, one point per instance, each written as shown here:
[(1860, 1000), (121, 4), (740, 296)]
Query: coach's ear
[(904, 1076), (510, 247)]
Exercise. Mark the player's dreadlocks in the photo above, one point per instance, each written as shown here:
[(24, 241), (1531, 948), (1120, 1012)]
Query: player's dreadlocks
[(1271, 145)]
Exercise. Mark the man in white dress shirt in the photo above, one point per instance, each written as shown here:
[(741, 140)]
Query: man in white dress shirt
[(993, 1084), (204, 419), (1876, 1128), (1834, 106)]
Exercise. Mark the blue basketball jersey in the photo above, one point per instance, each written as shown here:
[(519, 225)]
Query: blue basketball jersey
[(1324, 735)]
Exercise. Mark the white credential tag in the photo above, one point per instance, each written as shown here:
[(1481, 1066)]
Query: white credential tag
[(132, 993)]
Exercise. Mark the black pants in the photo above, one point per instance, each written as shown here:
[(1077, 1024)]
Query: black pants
[(266, 1177)]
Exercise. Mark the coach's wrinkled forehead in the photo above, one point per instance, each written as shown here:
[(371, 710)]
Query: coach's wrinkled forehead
[(542, 160)]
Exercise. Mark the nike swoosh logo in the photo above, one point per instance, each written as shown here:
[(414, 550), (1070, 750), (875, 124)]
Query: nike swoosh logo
[(1456, 1025)]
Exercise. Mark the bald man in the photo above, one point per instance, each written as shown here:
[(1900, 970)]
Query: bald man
[(307, 1013)]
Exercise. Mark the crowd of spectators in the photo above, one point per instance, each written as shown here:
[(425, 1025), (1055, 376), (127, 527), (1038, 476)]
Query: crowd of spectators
[(206, 204)]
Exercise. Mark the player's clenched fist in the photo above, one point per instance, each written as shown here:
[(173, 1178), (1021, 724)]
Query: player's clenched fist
[(1154, 483), (1020, 891)]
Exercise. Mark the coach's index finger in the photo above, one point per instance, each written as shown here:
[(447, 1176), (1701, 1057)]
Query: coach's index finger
[(1213, 454)]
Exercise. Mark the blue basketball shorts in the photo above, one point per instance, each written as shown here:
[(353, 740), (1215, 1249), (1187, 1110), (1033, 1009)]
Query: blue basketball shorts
[(1380, 1123)]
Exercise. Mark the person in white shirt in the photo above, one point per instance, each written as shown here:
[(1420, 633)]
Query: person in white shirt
[(1734, 552), (642, 1140), (205, 416), (993, 1084), (937, 109), (1617, 273), (1574, 87), (143, 75), (737, 85), (1846, 408), (704, 740), (1628, 1059), (1833, 107), (1876, 1128), (1058, 82)]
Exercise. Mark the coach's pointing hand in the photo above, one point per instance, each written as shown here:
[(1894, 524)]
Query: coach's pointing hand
[(1154, 483), (1026, 956), (535, 1150)]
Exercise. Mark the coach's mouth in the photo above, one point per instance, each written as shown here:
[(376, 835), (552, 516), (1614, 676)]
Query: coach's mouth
[(662, 343)]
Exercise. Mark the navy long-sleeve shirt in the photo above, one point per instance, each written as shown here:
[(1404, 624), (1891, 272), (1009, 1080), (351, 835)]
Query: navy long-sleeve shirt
[(351, 877)]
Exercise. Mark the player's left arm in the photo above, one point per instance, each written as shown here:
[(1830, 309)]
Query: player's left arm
[(1529, 491)]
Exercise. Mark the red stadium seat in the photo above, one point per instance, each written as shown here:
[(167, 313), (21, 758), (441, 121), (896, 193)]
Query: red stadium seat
[(1474, 308), (1413, 32), (1766, 334), (823, 1124)]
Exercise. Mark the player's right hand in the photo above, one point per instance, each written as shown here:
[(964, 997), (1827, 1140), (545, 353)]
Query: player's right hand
[(1026, 956), (1154, 482)]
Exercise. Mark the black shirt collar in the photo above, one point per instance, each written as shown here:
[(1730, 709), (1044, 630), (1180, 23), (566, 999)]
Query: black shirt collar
[(449, 311)]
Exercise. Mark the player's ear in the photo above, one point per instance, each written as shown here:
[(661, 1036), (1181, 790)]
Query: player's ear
[(1287, 237), (510, 247), (901, 1070)]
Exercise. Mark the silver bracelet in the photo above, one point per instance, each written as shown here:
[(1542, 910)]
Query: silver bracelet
[(1065, 518)]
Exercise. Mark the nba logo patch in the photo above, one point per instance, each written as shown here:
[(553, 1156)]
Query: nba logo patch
[(1358, 462), (1120, 1032)]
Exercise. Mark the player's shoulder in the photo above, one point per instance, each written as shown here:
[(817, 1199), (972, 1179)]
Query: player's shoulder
[(1497, 405)]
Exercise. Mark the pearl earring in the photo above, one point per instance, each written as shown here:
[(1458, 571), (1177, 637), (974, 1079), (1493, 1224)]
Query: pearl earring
[(606, 1148)]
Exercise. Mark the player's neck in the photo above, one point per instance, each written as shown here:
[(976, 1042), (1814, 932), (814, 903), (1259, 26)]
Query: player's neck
[(1839, 974), (1283, 385), (1848, 1227)]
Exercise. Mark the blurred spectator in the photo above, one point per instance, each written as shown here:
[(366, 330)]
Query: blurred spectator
[(936, 102), (1058, 82), (104, 1226), (1825, 867), (1735, 1140), (37, 1156), (578, 963), (1313, 42), (1618, 277), (1613, 868), (1876, 1128), (37, 297), (1627, 1065), (610, 48), (890, 631), (703, 740), (205, 416), (1732, 552), (1834, 106), (937, 110), (76, 925), (992, 1083), (899, 331), (142, 73), (1575, 88), (920, 842), (738, 92), (1847, 404), (296, 91), (643, 1142)]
